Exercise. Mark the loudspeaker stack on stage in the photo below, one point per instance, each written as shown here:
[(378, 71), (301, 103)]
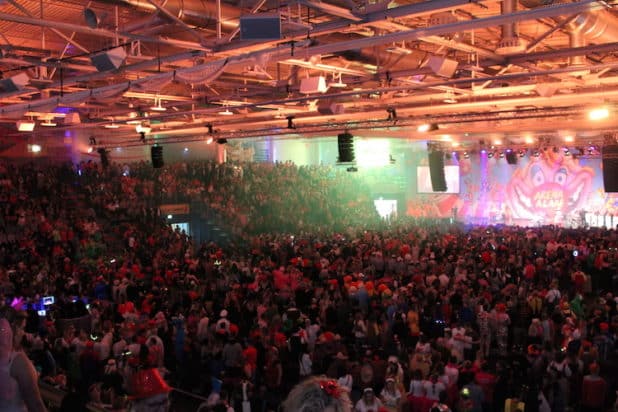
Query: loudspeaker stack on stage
[(436, 170)]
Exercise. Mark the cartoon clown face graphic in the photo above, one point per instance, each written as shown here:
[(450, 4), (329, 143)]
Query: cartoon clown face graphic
[(549, 187)]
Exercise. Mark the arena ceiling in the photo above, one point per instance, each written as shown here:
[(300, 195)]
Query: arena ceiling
[(515, 71)]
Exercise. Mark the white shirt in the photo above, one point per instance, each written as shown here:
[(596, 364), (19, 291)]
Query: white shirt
[(432, 390), (416, 388)]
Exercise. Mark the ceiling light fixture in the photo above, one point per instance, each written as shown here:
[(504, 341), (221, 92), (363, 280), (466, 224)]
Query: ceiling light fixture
[(48, 123), (396, 49), (143, 128), (600, 113), (34, 148), (427, 127), (157, 107), (449, 97), (25, 125), (337, 83)]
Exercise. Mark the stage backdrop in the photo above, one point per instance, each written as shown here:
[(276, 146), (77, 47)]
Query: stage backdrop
[(549, 189)]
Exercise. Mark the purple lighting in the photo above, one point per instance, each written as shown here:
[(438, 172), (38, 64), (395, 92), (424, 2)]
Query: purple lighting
[(483, 151)]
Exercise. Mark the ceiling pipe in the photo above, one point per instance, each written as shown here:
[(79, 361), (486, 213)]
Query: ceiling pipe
[(597, 26), (510, 42), (422, 107), (197, 13), (576, 39), (98, 32), (280, 52)]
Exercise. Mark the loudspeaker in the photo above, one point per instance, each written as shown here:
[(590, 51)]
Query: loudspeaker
[(156, 155), (511, 157), (610, 168), (442, 66), (262, 26), (328, 107), (104, 159), (310, 85), (345, 144), (14, 83), (110, 59), (436, 171)]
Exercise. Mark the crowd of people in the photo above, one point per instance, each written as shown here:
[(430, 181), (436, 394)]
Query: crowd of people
[(321, 296)]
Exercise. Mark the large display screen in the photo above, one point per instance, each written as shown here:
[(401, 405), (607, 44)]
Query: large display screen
[(423, 179)]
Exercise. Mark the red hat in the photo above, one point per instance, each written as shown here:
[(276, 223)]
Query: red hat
[(533, 350), (604, 326), (147, 383), (233, 329), (501, 307)]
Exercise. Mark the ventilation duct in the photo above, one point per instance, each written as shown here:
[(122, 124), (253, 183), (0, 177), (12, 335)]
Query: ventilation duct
[(593, 26), (510, 43), (198, 13), (576, 39)]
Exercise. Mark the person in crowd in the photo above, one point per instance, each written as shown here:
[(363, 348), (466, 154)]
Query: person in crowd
[(317, 394), (305, 249), (390, 395), (368, 402), (19, 388)]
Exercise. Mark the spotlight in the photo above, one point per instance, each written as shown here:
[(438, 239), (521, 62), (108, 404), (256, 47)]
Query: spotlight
[(490, 155), (291, 124), (209, 140), (466, 155), (566, 151), (392, 114), (221, 141), (90, 149), (483, 151), (501, 154), (600, 113), (522, 153), (427, 127), (536, 153)]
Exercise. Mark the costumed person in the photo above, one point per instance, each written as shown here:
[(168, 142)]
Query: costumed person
[(368, 402), (318, 394), (501, 324), (391, 395), (149, 390)]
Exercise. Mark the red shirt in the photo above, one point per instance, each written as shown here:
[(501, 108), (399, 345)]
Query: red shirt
[(593, 391), (486, 381)]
